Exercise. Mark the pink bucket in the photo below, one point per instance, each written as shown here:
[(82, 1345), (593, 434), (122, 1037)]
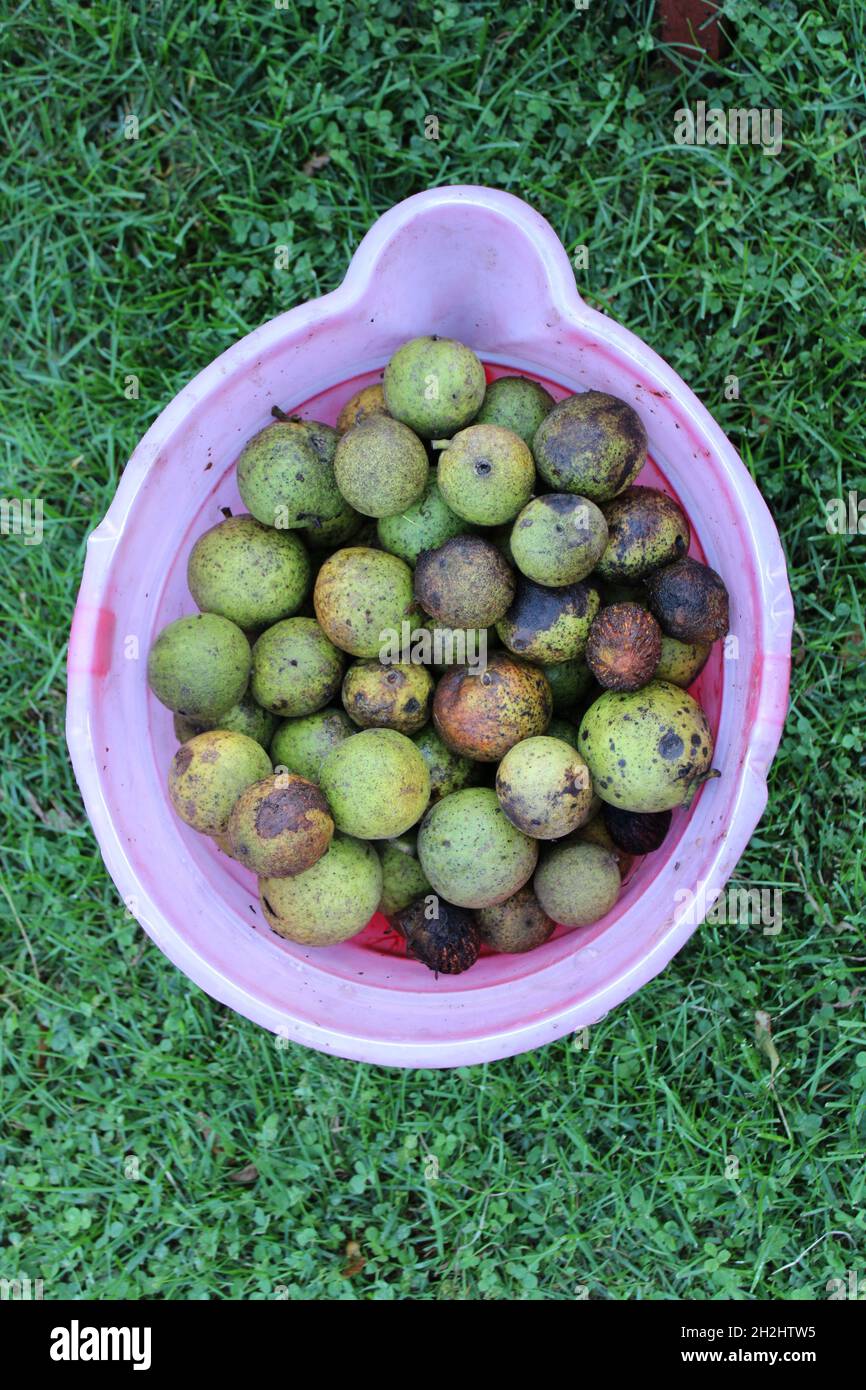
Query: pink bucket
[(483, 267)]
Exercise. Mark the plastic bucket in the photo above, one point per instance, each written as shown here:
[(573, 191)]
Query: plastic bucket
[(481, 266)]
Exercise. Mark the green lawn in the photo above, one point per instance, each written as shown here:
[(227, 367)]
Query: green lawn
[(157, 1145)]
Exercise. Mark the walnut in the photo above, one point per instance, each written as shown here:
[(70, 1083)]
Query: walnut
[(624, 646)]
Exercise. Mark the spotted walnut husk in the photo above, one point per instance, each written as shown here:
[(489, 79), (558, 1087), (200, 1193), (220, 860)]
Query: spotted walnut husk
[(466, 582)]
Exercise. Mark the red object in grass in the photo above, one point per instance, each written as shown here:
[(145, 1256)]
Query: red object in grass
[(692, 24)]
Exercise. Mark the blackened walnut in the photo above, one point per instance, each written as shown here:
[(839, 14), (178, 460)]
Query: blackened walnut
[(448, 941), (636, 832), (690, 601), (624, 647)]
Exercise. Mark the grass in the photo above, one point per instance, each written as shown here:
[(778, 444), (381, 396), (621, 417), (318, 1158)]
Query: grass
[(156, 1144)]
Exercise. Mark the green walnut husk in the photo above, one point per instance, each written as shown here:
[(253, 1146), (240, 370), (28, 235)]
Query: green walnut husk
[(248, 572), (595, 832), (471, 853), (646, 529), (569, 681), (327, 535), (500, 536), (361, 596), (302, 745), (185, 729), (593, 444), (377, 784), (331, 901), (564, 730), (403, 879), (285, 475), (426, 524), (486, 474), (558, 538), (434, 385), (516, 403), (396, 696), (380, 466), (577, 882), (199, 666), (544, 787), (682, 662), (246, 717), (648, 749), (370, 400), (279, 826), (208, 774), (549, 625), (449, 772), (296, 670), (517, 925)]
